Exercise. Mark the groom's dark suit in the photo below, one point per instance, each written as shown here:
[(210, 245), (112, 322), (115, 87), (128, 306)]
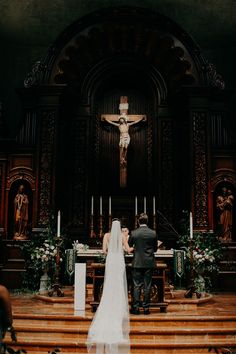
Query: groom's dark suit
[(144, 241)]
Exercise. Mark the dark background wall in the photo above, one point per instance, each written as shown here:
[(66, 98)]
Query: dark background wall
[(29, 27)]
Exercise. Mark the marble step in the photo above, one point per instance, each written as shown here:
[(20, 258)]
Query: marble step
[(137, 346), (164, 333), (140, 321)]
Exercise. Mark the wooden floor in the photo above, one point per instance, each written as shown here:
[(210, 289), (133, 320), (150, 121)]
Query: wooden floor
[(185, 328)]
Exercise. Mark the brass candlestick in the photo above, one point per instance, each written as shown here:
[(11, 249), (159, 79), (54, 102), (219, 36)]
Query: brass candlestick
[(100, 226), (154, 222), (56, 287), (110, 221), (191, 289), (136, 221), (92, 233)]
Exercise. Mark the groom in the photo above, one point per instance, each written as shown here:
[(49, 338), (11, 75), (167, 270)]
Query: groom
[(144, 241)]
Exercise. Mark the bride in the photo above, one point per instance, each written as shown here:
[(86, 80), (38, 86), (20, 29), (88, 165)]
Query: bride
[(109, 331)]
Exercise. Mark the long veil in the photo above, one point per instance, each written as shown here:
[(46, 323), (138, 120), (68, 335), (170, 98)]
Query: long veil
[(109, 331)]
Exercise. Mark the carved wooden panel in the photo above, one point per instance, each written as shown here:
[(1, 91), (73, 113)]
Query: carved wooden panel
[(1, 196), (79, 173), (46, 164), (166, 168), (200, 180)]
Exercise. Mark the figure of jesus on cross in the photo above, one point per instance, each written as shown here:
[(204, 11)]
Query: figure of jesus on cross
[(123, 122)]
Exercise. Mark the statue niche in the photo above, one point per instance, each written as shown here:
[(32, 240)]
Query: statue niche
[(224, 205), (20, 210)]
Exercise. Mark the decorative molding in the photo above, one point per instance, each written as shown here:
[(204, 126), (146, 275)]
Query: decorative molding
[(215, 79), (200, 180), (46, 163), (34, 76), (21, 174), (221, 176)]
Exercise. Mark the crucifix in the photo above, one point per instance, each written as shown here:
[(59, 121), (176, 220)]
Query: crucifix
[(123, 121)]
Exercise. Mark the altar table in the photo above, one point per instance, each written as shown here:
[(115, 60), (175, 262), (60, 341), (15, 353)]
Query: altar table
[(95, 269), (157, 291)]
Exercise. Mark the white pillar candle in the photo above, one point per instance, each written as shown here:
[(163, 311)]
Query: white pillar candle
[(109, 205), (92, 210), (144, 205), (136, 205), (191, 224), (101, 205), (58, 223), (154, 205)]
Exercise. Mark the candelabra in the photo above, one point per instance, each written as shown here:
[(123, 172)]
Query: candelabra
[(92, 233), (192, 288), (136, 221), (100, 226), (110, 221), (56, 287), (154, 222)]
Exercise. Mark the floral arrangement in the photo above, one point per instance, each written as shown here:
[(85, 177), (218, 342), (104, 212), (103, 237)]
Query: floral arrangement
[(40, 254), (44, 254), (79, 247), (205, 260), (205, 253)]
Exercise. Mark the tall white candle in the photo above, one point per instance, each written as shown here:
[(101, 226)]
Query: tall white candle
[(154, 205), (109, 205), (101, 205), (92, 210), (58, 223), (191, 224), (144, 205), (136, 206)]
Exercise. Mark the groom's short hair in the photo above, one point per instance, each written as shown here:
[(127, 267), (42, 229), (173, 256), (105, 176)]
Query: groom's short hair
[(143, 218)]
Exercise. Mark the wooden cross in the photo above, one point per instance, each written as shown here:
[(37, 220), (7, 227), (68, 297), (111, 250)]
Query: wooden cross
[(123, 121)]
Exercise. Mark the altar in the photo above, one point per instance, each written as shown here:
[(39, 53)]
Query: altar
[(94, 259)]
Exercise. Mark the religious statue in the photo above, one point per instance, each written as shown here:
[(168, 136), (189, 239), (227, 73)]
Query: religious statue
[(123, 126), (224, 204), (123, 122), (21, 215)]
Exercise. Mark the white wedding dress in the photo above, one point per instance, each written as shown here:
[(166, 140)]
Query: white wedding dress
[(109, 331)]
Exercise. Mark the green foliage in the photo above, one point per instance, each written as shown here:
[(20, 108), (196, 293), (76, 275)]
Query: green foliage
[(39, 253), (203, 253)]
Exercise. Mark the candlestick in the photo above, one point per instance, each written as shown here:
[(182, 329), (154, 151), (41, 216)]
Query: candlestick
[(154, 205), (191, 225), (109, 205), (58, 223), (136, 206), (101, 205), (144, 205), (92, 205)]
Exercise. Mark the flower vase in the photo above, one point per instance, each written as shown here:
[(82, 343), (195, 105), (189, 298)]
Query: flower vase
[(200, 281), (44, 281)]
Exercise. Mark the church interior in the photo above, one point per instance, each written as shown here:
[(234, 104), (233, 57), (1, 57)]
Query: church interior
[(109, 109)]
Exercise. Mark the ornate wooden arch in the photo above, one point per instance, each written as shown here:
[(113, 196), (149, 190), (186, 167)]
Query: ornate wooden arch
[(223, 175), (142, 34)]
